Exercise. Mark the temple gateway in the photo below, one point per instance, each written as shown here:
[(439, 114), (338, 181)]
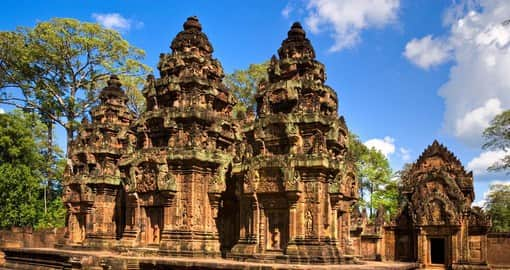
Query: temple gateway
[(187, 179)]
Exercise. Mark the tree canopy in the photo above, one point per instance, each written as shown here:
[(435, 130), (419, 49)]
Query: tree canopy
[(244, 83), (377, 188), (57, 67), (498, 207), (497, 137), (22, 167)]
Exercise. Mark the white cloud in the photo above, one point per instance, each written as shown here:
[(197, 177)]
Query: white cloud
[(480, 49), (471, 126), (386, 145), (115, 21), (346, 19), (486, 159), (287, 10), (2, 111), (427, 52), (405, 154), (500, 182)]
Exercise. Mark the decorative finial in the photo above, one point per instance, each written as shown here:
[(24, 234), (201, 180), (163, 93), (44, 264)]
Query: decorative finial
[(192, 23), (296, 31), (114, 81), (296, 45)]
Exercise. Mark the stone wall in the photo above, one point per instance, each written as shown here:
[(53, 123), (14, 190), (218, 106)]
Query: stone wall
[(28, 237), (370, 247), (498, 250)]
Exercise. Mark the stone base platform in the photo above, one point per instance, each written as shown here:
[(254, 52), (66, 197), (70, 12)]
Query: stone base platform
[(49, 258)]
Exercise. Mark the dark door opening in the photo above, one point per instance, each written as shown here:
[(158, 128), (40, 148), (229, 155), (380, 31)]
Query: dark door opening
[(437, 251)]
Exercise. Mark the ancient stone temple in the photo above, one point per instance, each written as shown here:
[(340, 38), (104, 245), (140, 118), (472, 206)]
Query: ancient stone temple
[(188, 179), (185, 142), (92, 183), (296, 186), (437, 225)]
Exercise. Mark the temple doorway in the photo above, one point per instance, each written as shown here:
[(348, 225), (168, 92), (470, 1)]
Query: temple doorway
[(276, 225), (437, 251), (153, 225)]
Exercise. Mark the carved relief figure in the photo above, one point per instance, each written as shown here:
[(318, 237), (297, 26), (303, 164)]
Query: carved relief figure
[(309, 222), (155, 233)]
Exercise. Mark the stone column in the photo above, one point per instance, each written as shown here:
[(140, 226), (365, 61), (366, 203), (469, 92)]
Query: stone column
[(260, 226), (464, 239), (421, 248), (293, 198), (454, 242), (129, 237), (169, 215)]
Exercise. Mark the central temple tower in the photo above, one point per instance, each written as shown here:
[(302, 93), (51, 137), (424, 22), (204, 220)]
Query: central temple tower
[(295, 182), (186, 137)]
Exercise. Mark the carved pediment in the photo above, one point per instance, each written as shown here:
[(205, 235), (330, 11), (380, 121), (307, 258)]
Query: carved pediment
[(433, 210), (438, 156), (438, 164)]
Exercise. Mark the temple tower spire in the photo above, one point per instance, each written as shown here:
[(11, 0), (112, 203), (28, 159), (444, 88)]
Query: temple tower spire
[(176, 177), (92, 181), (296, 184)]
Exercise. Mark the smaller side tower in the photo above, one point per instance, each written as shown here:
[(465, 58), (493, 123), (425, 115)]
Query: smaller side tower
[(92, 182), (437, 225)]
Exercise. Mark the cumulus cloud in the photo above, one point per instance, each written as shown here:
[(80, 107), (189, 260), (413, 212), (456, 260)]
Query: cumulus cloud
[(427, 52), (481, 163), (345, 20), (405, 154), (478, 86), (287, 10), (386, 145), (2, 111), (115, 21), (470, 126)]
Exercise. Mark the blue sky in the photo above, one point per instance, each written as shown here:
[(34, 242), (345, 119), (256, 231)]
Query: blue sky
[(406, 71)]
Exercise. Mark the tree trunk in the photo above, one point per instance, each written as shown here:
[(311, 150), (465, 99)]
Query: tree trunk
[(50, 165), (70, 137), (70, 132), (371, 193)]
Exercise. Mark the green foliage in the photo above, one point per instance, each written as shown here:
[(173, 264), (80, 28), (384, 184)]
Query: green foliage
[(244, 84), (54, 217), (498, 207), (22, 168), (376, 186), (387, 196), (132, 86), (56, 67), (19, 174), (17, 141), (497, 137), (19, 187)]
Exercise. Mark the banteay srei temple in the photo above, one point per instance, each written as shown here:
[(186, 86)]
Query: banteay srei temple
[(187, 186)]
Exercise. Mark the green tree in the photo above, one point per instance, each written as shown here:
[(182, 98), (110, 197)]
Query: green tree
[(57, 67), (51, 153), (20, 174), (136, 100), (498, 207), (54, 212), (374, 172), (244, 83), (497, 137)]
